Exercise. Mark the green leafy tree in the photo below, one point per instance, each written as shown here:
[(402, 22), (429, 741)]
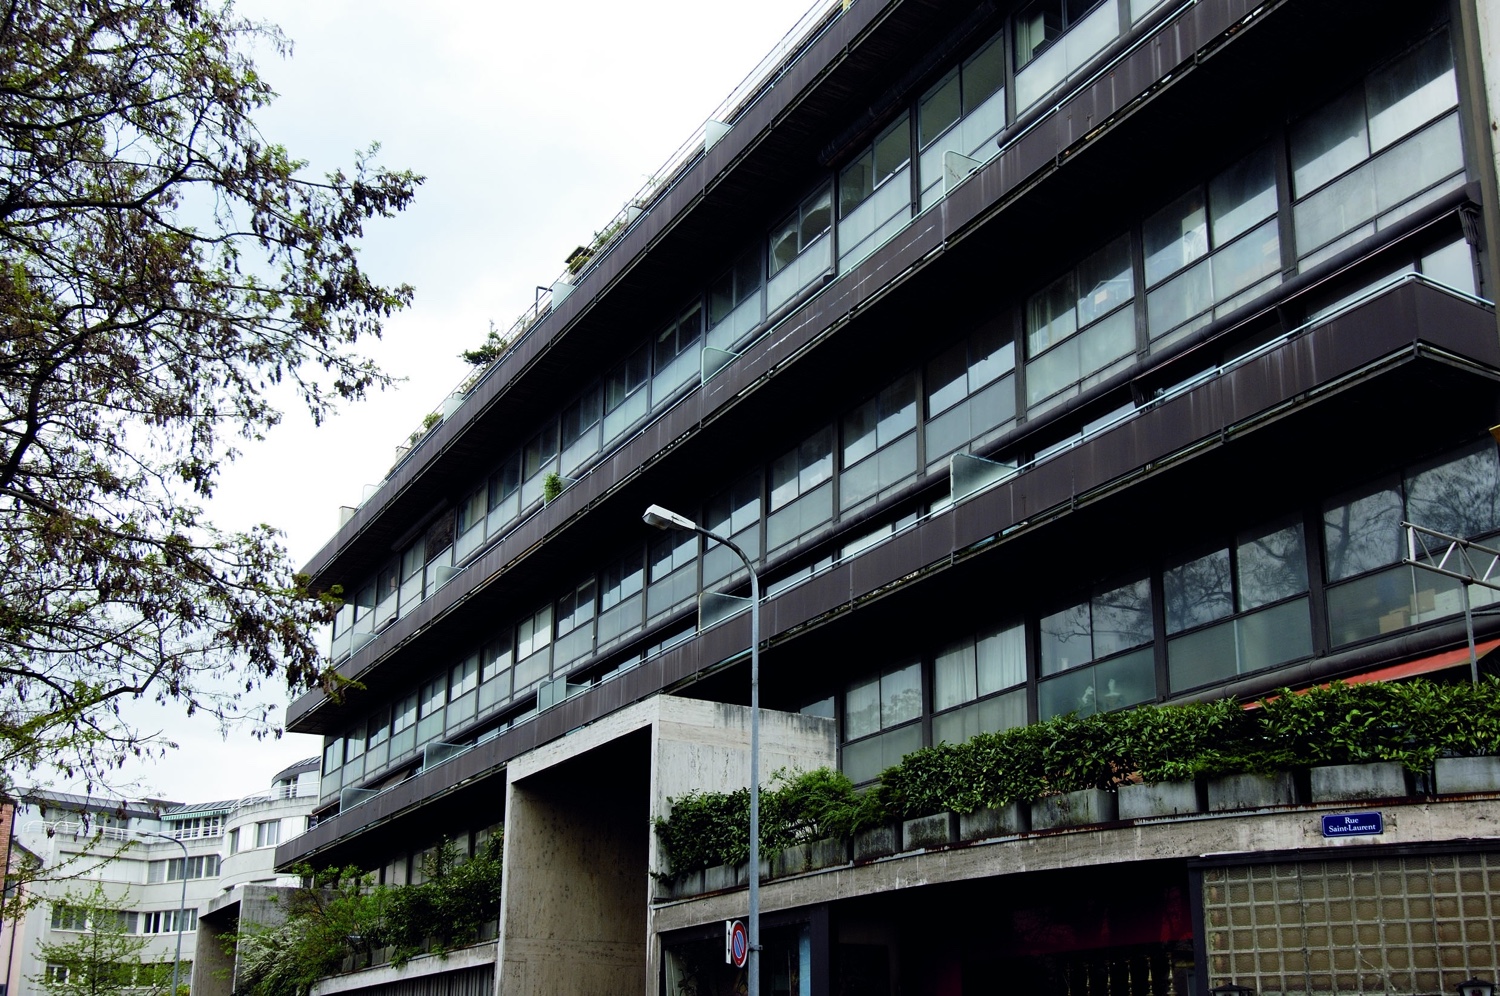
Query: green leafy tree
[(102, 958), (167, 274)]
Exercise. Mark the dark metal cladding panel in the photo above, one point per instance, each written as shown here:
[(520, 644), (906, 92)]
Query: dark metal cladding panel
[(982, 516), (936, 538), (725, 640), (888, 562), (811, 598), (1457, 325)]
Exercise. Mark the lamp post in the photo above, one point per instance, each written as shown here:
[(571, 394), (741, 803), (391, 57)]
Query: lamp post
[(181, 905), (662, 518)]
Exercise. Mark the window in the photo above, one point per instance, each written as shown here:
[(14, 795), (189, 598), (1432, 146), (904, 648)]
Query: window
[(1079, 329), (620, 587), (197, 826), (471, 518), (403, 725), (538, 459), (377, 738), (496, 658), (734, 305), (504, 495), (1112, 632), (626, 399), (1212, 249), (879, 445), (671, 582), (387, 593), (735, 514), (411, 577), (1261, 581), (201, 866), (167, 921), (268, 833), (881, 721), (580, 430), (431, 699), (798, 251), (1377, 153), (801, 490), (959, 119), (1055, 38), (978, 685), (875, 194), (676, 354), (65, 917), (463, 681), (533, 641), (575, 613), (971, 394), (1369, 592)]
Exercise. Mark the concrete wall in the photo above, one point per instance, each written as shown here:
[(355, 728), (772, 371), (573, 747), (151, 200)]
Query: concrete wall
[(574, 915)]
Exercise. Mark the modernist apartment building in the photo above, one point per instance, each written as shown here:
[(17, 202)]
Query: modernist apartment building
[(1046, 357), (132, 852)]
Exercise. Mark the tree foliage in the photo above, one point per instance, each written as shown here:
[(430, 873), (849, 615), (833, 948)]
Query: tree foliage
[(166, 273)]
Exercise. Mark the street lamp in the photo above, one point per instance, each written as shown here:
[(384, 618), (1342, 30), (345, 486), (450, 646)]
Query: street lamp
[(662, 518), (181, 905)]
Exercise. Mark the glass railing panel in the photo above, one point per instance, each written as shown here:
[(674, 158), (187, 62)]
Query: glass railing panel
[(683, 368), (974, 136), (787, 525), (873, 223), (799, 273), (1067, 54), (1140, 8), (620, 620), (631, 411), (462, 709), (730, 332), (573, 645), (469, 542), (1081, 360), (532, 669), (411, 593), (580, 451)]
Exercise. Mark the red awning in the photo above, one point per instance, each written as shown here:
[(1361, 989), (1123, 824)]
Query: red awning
[(1410, 669)]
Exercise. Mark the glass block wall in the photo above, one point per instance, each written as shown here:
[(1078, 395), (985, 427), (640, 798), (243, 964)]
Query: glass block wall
[(1393, 925)]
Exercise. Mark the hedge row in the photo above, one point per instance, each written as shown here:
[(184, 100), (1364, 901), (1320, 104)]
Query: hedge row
[(1412, 723)]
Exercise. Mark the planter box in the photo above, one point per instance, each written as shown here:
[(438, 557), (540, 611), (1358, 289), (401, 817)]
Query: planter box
[(830, 852), (876, 842), (1462, 775), (791, 861), (1162, 799), (1251, 791), (687, 884), (719, 877), (1352, 782), (1075, 809), (929, 832), (1003, 822), (742, 872)]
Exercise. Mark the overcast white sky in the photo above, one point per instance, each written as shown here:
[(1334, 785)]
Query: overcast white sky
[(533, 123)]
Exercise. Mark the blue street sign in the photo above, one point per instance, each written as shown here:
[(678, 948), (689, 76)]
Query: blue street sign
[(1353, 824)]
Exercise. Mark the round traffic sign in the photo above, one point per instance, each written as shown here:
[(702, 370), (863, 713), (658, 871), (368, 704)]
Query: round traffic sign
[(739, 944)]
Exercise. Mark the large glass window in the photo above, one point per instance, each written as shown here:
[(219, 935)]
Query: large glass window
[(971, 394), (673, 578), (978, 685), (959, 119), (495, 660), (882, 721), (875, 194), (801, 490), (626, 397), (403, 725), (504, 495), (1055, 38), (620, 586), (1370, 593), (1378, 152), (431, 699), (575, 630), (799, 251), (1239, 608), (1080, 328), (1212, 249), (471, 518), (735, 514), (463, 691), (734, 302), (1097, 655), (580, 430), (676, 354), (879, 445), (538, 459), (533, 648)]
